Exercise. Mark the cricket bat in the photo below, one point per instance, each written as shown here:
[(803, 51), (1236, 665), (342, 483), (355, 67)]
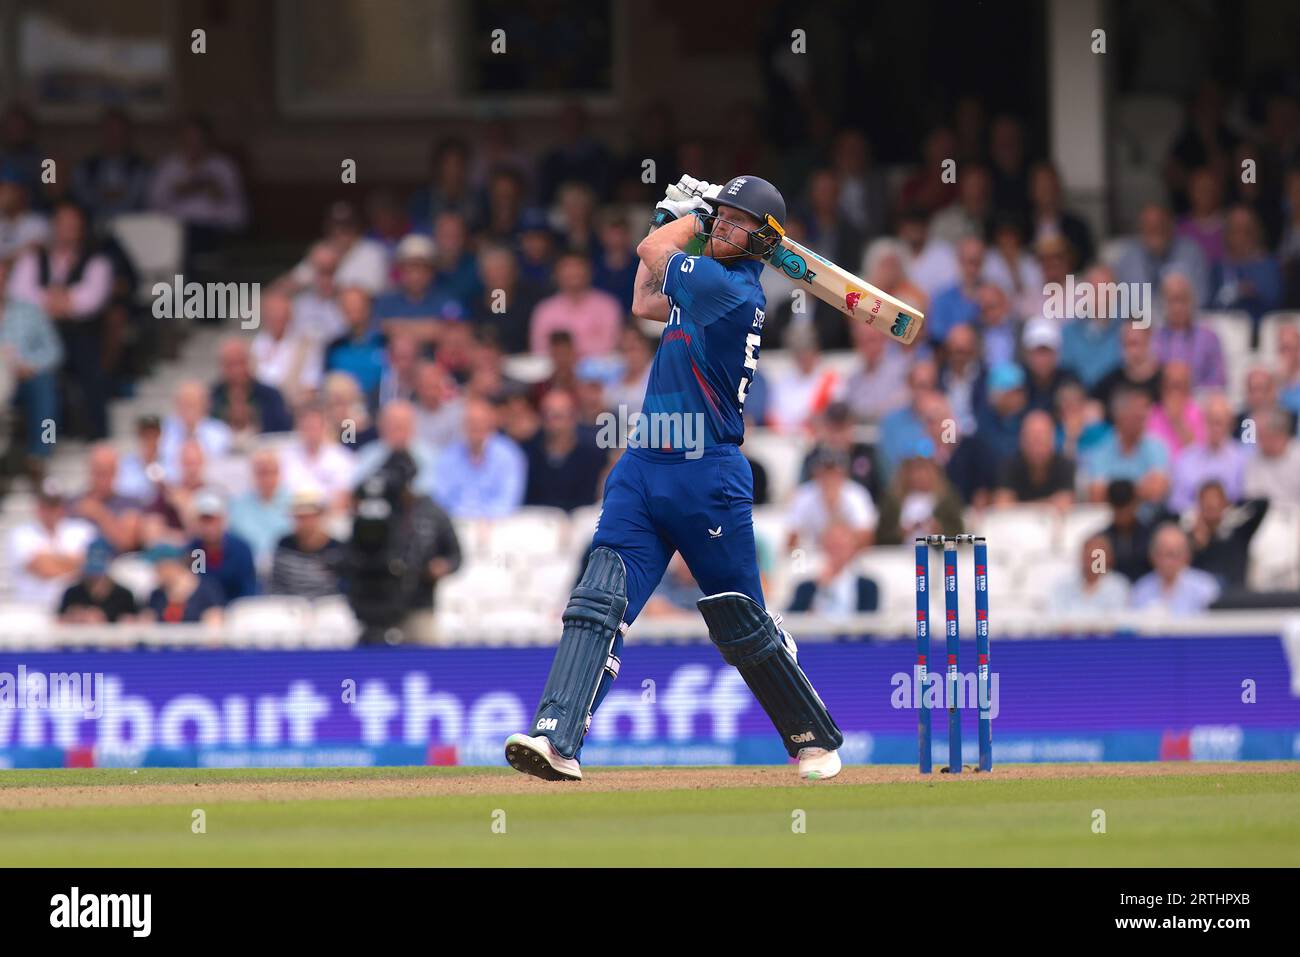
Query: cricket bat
[(849, 294)]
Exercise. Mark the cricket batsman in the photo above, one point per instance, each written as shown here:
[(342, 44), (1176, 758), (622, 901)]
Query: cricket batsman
[(659, 501)]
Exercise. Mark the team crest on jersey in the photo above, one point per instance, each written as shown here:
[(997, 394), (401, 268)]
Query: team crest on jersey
[(758, 318)]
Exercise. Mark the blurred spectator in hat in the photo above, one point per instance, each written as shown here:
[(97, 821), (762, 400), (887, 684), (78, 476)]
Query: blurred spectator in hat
[(455, 269), (616, 262), (397, 434), (839, 588), (281, 358), (926, 191), (360, 351), (1156, 251), (227, 558), (637, 352), (507, 300), (976, 462), (1204, 222), (1262, 399), (1095, 588), (577, 156), (589, 394), (1248, 277), (1181, 337), (1139, 368), (1218, 456), (451, 188), (316, 459), (1040, 347), (958, 303), (905, 426), (414, 306), (347, 416), (134, 480), (971, 214), (95, 598), (72, 284), (115, 516), (115, 178), (360, 262), (386, 222), (565, 465), (45, 554), (248, 406), (182, 597), (1013, 268), (316, 312), (575, 219), (1129, 452), (260, 516), (802, 392), (919, 500), (1037, 473), (307, 562), (878, 383), (439, 410), (997, 325), (864, 195), (1173, 587), (930, 262), (1176, 419), (1051, 218), (505, 204), (191, 420), (1221, 533), (537, 249), (1052, 255), (1090, 341), (484, 474), (1129, 533), (402, 356), (836, 431), (962, 374), (829, 497), (21, 228), (201, 187), (1273, 472), (593, 317), (32, 353)]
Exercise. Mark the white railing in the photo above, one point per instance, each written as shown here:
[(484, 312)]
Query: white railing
[(689, 628)]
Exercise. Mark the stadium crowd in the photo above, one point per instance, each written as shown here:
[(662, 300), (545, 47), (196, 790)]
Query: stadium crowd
[(384, 360)]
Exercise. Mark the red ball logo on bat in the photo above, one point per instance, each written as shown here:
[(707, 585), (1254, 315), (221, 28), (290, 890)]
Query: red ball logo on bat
[(851, 300)]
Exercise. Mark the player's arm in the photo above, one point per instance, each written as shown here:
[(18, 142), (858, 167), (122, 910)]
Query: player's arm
[(648, 299)]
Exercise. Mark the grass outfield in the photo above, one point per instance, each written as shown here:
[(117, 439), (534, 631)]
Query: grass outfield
[(1042, 815)]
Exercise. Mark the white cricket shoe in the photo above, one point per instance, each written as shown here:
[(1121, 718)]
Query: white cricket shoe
[(818, 764), (538, 757)]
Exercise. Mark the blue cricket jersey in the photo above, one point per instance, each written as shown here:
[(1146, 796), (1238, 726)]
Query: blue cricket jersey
[(709, 349)]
